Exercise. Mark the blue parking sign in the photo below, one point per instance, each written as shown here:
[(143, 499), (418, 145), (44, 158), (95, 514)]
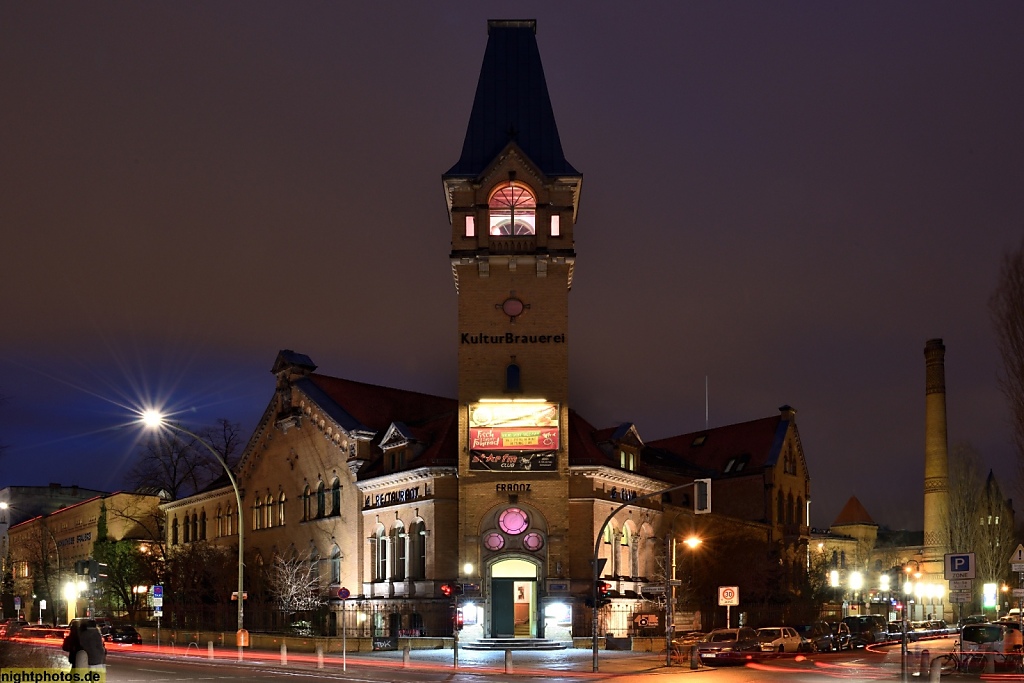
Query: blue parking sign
[(959, 566), (158, 591)]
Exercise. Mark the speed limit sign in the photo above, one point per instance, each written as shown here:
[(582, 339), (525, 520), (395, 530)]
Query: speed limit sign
[(728, 596)]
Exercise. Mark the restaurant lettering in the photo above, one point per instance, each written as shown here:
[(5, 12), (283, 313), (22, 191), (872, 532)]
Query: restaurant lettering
[(71, 540), (392, 497), (510, 338)]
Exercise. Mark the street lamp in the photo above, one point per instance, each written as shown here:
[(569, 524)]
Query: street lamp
[(154, 420), (702, 486)]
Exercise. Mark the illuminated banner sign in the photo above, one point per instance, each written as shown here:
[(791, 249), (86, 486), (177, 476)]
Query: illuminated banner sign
[(512, 462), (513, 436), (514, 439)]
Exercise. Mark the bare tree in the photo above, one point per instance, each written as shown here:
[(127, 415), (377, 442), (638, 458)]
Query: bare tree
[(997, 534), (966, 493), (179, 465), (294, 584), (1007, 308)]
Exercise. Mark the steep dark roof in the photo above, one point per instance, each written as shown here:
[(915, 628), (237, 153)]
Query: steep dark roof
[(711, 449), (583, 440), (512, 105)]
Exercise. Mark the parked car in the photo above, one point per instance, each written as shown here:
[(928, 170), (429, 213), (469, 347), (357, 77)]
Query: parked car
[(990, 638), (725, 645), (975, 619), (841, 635), (816, 636), (867, 629), (125, 635), (779, 639), (11, 626)]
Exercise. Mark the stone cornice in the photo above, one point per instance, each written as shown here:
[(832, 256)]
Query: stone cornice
[(422, 474), (199, 498)]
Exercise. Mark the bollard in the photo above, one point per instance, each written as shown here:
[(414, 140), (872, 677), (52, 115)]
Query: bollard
[(936, 673), (319, 656), (925, 663), (405, 656), (284, 654), (209, 649), (694, 658), (508, 661)]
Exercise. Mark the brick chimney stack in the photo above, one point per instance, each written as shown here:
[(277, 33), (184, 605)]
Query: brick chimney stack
[(936, 463)]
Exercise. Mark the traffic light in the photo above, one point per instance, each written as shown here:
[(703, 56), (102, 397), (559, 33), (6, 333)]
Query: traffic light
[(450, 590), (602, 593), (702, 496), (81, 567)]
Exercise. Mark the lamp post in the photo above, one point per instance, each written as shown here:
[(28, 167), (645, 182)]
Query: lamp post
[(155, 420), (597, 548)]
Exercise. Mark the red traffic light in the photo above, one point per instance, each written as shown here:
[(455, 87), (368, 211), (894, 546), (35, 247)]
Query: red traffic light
[(451, 589), (602, 588)]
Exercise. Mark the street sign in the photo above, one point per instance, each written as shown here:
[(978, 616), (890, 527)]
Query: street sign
[(158, 591), (234, 595), (961, 585), (646, 620), (158, 602), (961, 596), (959, 566), (344, 593), (1018, 592), (17, 602), (652, 588), (728, 596), (1018, 554), (1017, 567), (158, 612)]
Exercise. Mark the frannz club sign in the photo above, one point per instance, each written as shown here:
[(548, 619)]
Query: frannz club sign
[(516, 461)]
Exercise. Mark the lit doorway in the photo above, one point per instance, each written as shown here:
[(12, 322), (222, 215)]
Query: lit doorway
[(513, 599)]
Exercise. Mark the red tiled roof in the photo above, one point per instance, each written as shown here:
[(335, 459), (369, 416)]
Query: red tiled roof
[(853, 513), (377, 407), (583, 440)]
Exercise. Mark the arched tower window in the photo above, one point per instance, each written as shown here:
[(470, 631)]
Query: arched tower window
[(321, 500), (229, 521), (220, 522), (335, 565), (512, 384), (257, 515), (513, 210), (307, 506), (280, 509), (174, 531)]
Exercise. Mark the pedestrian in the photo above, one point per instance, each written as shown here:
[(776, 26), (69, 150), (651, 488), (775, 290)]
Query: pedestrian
[(92, 644), (72, 644)]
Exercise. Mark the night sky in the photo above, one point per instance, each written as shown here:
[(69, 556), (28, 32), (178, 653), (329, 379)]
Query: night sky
[(788, 199)]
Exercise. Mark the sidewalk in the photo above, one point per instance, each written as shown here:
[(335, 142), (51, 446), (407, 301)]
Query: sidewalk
[(571, 660)]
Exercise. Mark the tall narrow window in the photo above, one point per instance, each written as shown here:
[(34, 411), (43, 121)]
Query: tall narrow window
[(268, 511), (512, 383), (186, 528), (229, 521), (335, 498), (418, 550), (335, 565), (380, 570), (257, 515), (280, 509), (202, 525), (470, 226), (513, 210), (174, 531), (220, 523), (398, 545), (307, 506), (321, 500), (555, 227)]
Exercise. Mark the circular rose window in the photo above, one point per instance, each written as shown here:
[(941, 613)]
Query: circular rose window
[(494, 541), (513, 521), (533, 541)]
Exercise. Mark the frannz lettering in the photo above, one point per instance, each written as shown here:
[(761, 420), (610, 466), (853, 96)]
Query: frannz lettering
[(511, 488)]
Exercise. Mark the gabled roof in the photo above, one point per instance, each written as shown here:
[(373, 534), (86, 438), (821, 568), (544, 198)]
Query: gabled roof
[(583, 440), (512, 105), (374, 411), (756, 443), (853, 513)]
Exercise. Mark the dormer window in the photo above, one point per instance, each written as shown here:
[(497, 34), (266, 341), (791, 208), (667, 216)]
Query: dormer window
[(513, 210)]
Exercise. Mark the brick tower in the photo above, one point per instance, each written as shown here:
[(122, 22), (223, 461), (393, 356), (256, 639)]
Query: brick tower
[(936, 463), (512, 201)]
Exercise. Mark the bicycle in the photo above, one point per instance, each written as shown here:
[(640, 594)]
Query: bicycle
[(974, 662)]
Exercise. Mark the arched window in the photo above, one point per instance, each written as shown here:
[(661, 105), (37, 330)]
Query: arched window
[(335, 565), (229, 521), (220, 522), (186, 529), (195, 527), (623, 564), (513, 210), (202, 524), (320, 500), (398, 548), (307, 505), (606, 550), (380, 554), (257, 515), (174, 531), (268, 511), (335, 498), (417, 550), (512, 383), (280, 509)]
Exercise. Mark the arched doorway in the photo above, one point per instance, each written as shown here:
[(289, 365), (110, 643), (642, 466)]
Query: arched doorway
[(514, 598)]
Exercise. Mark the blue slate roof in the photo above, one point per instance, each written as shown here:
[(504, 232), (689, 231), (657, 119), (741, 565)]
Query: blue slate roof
[(512, 105)]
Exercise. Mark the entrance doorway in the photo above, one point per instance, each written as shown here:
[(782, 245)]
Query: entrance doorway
[(513, 599)]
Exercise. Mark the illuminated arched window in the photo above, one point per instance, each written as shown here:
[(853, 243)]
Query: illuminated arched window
[(220, 522), (513, 210), (268, 512), (398, 545), (417, 550), (335, 565), (280, 509), (380, 554), (229, 521), (335, 498)]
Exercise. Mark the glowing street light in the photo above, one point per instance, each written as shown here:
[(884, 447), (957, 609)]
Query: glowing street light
[(153, 419), (693, 542)]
